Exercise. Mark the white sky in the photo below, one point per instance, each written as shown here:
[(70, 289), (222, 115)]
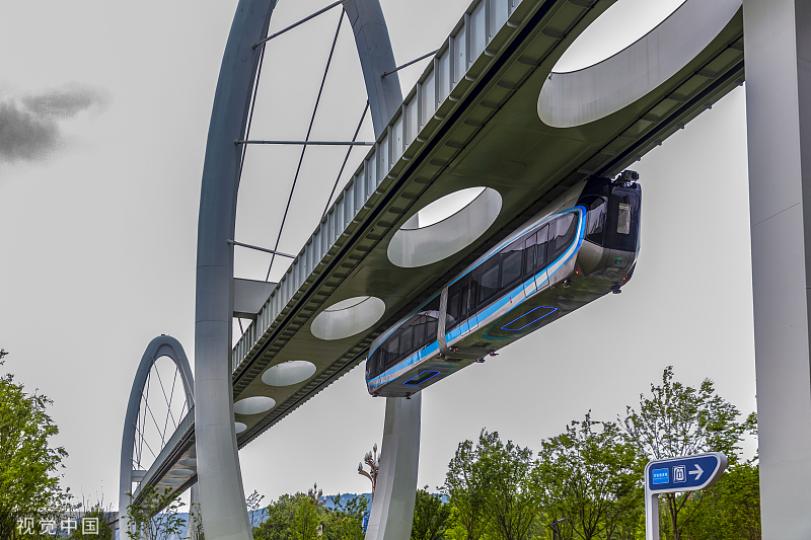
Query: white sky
[(98, 238)]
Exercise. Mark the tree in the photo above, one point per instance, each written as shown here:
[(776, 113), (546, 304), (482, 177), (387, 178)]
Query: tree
[(105, 532), (430, 516), (490, 488), (28, 485), (155, 517), (306, 521), (303, 517), (253, 503), (345, 520), (730, 509), (678, 420), (465, 494), (589, 478)]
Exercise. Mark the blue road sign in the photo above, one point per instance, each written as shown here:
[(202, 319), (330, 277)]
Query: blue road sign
[(684, 473), (687, 473)]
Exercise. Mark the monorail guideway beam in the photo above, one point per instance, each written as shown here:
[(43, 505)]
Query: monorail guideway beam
[(393, 503), (778, 100)]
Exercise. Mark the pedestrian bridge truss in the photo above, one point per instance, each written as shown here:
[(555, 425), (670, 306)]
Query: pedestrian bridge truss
[(474, 120)]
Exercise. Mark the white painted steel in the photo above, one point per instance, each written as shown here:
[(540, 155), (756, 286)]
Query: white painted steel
[(590, 94), (778, 100), (414, 246), (348, 317)]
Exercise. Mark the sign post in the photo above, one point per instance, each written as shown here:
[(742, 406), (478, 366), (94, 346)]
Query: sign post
[(688, 473)]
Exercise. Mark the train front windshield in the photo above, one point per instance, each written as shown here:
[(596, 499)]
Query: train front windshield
[(613, 219), (622, 226)]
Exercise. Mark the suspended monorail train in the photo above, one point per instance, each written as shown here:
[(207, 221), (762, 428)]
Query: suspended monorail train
[(581, 247)]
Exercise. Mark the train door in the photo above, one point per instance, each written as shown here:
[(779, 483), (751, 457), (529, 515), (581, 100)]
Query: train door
[(458, 310)]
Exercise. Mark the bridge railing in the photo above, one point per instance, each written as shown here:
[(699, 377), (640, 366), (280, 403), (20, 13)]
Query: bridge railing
[(486, 27)]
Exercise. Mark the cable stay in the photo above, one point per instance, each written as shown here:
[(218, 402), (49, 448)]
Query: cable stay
[(298, 23)]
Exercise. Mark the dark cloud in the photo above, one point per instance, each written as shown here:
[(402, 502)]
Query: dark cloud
[(28, 126), (25, 135), (63, 103)]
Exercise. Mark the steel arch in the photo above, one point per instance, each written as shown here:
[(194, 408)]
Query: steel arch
[(218, 469), (161, 346)]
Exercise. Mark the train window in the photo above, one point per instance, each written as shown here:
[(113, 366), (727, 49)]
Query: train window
[(535, 249), (406, 340), (624, 218), (564, 228), (425, 328), (458, 302), (511, 264), (486, 281), (372, 363), (542, 248), (419, 333), (622, 223), (529, 254), (391, 350)]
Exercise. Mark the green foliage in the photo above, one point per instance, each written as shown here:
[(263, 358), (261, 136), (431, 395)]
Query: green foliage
[(105, 532), (490, 490), (155, 517), (466, 494), (590, 478), (28, 464), (679, 420), (729, 510), (345, 522), (588, 481), (304, 517), (430, 516)]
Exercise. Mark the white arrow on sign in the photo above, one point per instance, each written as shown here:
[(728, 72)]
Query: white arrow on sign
[(697, 471)]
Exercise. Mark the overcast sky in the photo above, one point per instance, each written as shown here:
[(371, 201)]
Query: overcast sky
[(104, 110)]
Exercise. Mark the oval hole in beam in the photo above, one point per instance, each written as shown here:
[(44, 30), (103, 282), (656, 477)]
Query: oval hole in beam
[(581, 97), (348, 317), (444, 227)]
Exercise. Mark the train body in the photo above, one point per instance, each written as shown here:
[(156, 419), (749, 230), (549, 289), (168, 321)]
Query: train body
[(583, 246)]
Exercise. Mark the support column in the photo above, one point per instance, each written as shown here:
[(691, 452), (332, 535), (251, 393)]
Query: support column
[(222, 499), (778, 99), (393, 502), (195, 517)]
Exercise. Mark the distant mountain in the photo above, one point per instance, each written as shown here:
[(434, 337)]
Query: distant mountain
[(343, 499)]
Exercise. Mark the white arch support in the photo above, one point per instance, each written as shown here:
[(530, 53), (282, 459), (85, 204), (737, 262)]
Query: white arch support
[(219, 477), (161, 346)]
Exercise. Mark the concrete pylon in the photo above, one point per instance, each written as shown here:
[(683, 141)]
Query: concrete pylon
[(778, 99)]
